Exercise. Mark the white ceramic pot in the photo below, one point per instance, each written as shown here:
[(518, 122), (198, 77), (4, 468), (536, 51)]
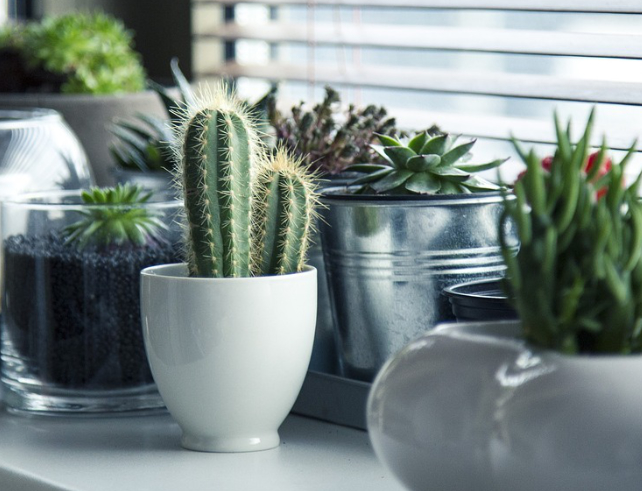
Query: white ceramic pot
[(471, 406), (228, 355)]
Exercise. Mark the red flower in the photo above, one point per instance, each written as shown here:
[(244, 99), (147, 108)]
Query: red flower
[(606, 164), (547, 162)]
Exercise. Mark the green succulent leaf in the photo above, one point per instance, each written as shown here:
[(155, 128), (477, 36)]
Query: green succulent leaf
[(423, 183), (379, 174), (391, 181), (448, 187), (456, 153), (422, 163), (399, 155), (115, 216), (366, 167), (481, 167), (436, 145), (451, 173), (476, 183), (388, 141), (187, 94), (418, 141)]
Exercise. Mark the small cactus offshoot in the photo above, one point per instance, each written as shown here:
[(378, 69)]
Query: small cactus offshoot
[(219, 153), (428, 163), (283, 215), (576, 281), (116, 216)]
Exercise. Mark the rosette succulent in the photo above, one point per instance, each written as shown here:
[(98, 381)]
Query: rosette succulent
[(428, 163), (115, 216)]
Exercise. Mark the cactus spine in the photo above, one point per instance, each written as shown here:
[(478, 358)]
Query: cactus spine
[(231, 230), (283, 215), (217, 155)]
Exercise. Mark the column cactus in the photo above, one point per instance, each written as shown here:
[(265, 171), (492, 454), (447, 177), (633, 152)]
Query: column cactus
[(217, 150), (283, 215), (218, 153)]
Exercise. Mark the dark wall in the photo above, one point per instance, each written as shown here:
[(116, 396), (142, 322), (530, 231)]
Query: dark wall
[(163, 30)]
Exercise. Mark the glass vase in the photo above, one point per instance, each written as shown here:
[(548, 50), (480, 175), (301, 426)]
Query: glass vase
[(71, 330)]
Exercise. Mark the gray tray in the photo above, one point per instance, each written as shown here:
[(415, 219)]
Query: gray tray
[(334, 399)]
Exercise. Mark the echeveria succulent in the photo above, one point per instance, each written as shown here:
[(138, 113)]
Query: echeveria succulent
[(428, 163)]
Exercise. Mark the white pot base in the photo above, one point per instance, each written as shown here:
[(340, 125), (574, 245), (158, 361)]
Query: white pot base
[(262, 441)]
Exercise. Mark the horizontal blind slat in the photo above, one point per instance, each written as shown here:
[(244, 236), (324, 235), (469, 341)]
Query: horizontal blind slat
[(494, 127), (441, 38), (459, 82), (588, 6)]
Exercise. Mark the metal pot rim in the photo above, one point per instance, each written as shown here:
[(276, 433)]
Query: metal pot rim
[(341, 194)]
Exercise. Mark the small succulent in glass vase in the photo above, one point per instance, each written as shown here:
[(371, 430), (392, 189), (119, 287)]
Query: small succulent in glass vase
[(576, 281), (127, 224), (72, 306)]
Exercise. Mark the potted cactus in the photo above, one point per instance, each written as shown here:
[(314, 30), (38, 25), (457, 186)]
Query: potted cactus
[(71, 334), (553, 401), (414, 223), (239, 315), (82, 65)]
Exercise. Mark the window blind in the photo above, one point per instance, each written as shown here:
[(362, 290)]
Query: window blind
[(484, 68)]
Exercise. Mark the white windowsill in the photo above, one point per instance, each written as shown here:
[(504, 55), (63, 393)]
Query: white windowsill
[(143, 453)]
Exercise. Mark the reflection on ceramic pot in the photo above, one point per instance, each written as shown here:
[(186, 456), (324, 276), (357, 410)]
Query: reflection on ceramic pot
[(229, 355), (71, 333), (388, 259), (472, 406)]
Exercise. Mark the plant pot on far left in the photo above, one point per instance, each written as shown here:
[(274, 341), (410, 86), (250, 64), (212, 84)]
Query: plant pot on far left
[(71, 334), (229, 355)]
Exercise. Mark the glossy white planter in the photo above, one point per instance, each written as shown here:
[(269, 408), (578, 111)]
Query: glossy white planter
[(472, 407), (228, 355)]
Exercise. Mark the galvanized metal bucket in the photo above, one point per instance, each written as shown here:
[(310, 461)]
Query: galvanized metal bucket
[(388, 259)]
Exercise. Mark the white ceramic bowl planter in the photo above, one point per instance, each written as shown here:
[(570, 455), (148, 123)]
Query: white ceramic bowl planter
[(472, 406), (229, 355)]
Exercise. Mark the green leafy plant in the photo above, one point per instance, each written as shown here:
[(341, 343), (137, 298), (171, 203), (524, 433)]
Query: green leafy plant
[(577, 278), (327, 138), (428, 163), (116, 217), (146, 143), (237, 225), (76, 53)]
